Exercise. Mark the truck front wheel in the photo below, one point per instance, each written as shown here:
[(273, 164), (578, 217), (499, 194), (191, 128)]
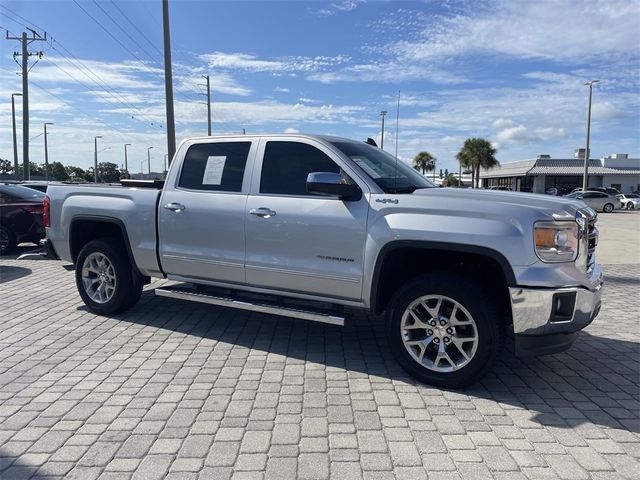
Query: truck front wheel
[(444, 330), (105, 279)]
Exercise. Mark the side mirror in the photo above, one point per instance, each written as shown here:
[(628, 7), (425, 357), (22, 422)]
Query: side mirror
[(333, 184)]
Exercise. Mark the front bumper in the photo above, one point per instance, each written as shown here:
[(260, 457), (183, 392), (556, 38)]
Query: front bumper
[(548, 320)]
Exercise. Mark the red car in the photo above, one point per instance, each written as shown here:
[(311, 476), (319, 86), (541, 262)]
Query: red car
[(21, 211)]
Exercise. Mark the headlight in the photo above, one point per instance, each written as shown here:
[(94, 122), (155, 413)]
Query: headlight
[(556, 241)]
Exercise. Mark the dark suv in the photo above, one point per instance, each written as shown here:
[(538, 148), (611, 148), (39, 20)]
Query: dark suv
[(21, 211)]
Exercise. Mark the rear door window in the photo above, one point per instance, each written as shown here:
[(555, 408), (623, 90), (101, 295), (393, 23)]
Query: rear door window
[(215, 166)]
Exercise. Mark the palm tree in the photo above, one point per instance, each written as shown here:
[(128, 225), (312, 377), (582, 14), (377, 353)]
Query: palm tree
[(424, 161), (477, 153)]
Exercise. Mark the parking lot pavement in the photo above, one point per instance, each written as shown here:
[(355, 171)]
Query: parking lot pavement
[(180, 390)]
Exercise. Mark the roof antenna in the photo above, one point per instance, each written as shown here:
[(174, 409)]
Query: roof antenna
[(371, 141)]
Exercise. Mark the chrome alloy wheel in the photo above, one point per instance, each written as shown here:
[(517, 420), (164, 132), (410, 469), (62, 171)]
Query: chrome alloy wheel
[(98, 277), (439, 333)]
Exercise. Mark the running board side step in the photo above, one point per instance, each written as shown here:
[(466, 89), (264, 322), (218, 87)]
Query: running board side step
[(192, 295)]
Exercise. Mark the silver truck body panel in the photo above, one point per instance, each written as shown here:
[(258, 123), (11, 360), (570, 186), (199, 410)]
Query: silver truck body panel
[(323, 248), (134, 208)]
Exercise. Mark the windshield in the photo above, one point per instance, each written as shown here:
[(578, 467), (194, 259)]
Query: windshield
[(22, 193), (390, 175)]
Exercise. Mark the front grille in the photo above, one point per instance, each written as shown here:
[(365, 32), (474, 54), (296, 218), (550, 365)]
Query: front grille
[(592, 239)]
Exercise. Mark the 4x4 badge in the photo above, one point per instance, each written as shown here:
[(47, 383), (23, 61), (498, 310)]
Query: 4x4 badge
[(387, 200)]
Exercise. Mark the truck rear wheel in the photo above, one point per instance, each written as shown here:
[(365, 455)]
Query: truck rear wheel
[(105, 279), (444, 330)]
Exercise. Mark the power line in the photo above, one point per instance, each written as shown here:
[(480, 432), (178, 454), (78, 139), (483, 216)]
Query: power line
[(136, 27), (126, 33), (142, 118), (21, 17), (114, 37)]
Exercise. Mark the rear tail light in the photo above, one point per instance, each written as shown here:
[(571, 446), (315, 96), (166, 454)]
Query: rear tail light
[(34, 209), (45, 211)]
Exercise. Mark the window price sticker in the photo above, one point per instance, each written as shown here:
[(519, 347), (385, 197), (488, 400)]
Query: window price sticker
[(213, 171)]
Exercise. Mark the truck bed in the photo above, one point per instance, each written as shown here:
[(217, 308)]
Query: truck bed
[(134, 209)]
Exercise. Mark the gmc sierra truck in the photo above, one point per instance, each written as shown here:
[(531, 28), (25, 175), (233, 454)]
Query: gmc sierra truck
[(318, 227)]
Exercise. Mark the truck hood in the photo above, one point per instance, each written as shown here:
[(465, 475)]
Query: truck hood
[(495, 200)]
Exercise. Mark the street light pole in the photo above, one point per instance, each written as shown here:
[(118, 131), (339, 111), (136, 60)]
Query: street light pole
[(382, 114), (46, 152), (585, 177), (95, 158), (149, 160), (15, 140), (126, 165)]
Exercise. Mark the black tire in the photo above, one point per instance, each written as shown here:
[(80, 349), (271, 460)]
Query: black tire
[(481, 307), (608, 208), (629, 206), (7, 240), (128, 285)]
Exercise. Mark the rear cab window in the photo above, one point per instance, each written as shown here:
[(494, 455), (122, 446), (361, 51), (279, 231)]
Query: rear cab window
[(216, 166)]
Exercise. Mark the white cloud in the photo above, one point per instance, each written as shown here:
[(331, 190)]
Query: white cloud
[(518, 134), (220, 83), (502, 123), (291, 130), (562, 31), (281, 90), (333, 8), (248, 62)]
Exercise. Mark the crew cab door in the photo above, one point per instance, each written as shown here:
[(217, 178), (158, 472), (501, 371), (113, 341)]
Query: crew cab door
[(298, 241), (202, 212)]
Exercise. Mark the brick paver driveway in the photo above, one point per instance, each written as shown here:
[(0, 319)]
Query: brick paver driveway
[(180, 390)]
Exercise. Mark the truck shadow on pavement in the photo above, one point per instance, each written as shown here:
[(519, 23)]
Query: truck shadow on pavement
[(8, 273), (595, 382)]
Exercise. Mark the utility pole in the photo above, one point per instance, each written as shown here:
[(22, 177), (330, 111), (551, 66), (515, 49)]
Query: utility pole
[(149, 160), (168, 81), (15, 138), (126, 165), (95, 158), (208, 94), (585, 177), (382, 114), (46, 153), (25, 41)]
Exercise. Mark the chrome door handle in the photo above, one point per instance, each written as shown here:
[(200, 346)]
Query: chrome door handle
[(175, 207), (262, 212)]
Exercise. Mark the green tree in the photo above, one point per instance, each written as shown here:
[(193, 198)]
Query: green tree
[(450, 180), (124, 174), (424, 162), (75, 174), (477, 153), (34, 169), (108, 172), (5, 166), (58, 172)]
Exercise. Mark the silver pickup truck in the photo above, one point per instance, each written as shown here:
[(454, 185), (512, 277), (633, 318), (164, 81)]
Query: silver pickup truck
[(318, 227)]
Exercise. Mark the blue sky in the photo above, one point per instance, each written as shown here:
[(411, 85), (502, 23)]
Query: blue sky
[(508, 71)]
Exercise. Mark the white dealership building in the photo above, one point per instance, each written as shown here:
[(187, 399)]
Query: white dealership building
[(564, 174)]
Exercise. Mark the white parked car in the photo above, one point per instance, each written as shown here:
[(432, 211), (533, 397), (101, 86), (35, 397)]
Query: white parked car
[(630, 201), (599, 201)]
